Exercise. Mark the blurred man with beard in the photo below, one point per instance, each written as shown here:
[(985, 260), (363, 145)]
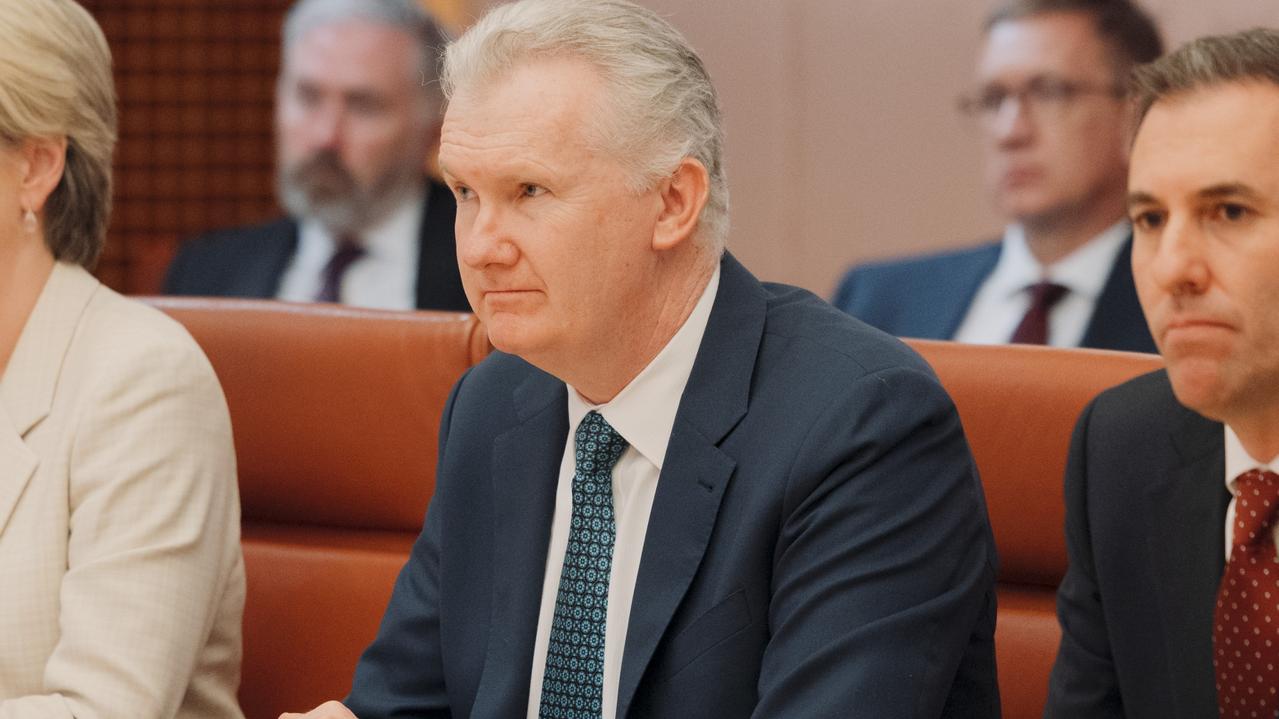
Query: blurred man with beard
[(357, 116)]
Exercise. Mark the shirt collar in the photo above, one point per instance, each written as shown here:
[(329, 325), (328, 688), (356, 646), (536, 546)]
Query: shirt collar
[(644, 411), (1084, 272), (1239, 461)]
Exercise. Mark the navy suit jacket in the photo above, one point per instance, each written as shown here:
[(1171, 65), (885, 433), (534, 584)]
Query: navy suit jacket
[(250, 261), (1145, 521), (928, 296), (818, 543)]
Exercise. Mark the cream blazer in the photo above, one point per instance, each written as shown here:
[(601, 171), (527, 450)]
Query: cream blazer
[(121, 578)]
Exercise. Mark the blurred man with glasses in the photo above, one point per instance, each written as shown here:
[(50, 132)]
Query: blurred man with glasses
[(1050, 104)]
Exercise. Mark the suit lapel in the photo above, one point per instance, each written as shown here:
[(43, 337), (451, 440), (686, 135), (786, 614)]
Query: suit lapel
[(1187, 547), (695, 472), (526, 463), (17, 466), (261, 275), (28, 385), (956, 290), (260, 270), (1118, 322)]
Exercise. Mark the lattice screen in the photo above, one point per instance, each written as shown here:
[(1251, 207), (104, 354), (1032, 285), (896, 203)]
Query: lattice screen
[(196, 82)]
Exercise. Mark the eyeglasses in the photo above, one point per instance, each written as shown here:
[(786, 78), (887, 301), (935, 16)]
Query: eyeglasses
[(1044, 97)]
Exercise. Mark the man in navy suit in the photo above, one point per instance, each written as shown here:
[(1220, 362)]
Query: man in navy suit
[(1055, 125), (673, 491), (1170, 605), (357, 115)]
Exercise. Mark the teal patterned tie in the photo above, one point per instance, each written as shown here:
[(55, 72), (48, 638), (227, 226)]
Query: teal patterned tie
[(573, 685)]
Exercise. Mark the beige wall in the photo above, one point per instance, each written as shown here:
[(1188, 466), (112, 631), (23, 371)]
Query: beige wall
[(842, 135)]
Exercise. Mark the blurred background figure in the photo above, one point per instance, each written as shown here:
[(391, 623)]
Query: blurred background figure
[(123, 584), (357, 117), (1055, 122)]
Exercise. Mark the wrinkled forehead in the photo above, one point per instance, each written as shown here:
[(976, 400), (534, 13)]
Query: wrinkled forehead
[(1223, 135), (551, 100)]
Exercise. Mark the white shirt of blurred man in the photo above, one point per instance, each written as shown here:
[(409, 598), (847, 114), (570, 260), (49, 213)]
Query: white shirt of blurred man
[(1055, 130)]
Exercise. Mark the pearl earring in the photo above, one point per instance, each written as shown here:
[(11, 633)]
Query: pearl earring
[(29, 222)]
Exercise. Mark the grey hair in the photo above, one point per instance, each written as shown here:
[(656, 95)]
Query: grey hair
[(1251, 55), (405, 15), (55, 81), (662, 105)]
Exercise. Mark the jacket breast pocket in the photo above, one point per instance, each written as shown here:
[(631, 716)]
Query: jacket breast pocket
[(713, 627)]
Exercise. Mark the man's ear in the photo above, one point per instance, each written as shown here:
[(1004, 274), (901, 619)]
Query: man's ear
[(431, 163), (42, 161), (1129, 134), (683, 195)]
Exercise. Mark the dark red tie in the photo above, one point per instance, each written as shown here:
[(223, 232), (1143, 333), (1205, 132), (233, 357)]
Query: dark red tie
[(1033, 329), (347, 252), (1245, 633)]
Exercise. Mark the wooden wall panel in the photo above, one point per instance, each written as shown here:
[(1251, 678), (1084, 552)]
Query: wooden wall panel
[(196, 82)]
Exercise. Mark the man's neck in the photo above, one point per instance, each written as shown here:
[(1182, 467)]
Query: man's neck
[(1054, 236), (641, 339), (1259, 434), (24, 271)]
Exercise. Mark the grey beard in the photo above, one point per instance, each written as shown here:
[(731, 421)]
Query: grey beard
[(321, 188)]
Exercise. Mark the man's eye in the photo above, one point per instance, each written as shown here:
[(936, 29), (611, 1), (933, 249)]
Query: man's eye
[(1232, 212), (530, 190), (1148, 220), (306, 95), (462, 192)]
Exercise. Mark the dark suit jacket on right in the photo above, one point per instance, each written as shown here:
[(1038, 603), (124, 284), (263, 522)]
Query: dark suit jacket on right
[(1145, 521), (250, 261), (927, 297)]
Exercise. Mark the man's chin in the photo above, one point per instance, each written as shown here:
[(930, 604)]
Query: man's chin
[(1198, 383)]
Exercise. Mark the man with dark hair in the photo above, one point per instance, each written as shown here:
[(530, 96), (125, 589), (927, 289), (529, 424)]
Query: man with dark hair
[(1051, 106), (357, 117), (1170, 606)]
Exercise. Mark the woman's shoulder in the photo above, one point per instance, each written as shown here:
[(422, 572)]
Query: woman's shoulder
[(122, 326)]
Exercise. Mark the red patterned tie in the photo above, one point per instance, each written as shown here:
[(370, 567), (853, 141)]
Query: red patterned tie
[(1246, 628), (1033, 329)]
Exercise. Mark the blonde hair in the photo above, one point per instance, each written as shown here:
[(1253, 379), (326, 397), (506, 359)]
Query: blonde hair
[(55, 81)]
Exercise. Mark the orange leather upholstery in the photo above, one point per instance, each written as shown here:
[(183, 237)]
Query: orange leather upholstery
[(335, 413), (1019, 405)]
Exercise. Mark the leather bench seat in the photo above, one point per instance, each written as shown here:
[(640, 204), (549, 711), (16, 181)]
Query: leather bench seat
[(336, 411)]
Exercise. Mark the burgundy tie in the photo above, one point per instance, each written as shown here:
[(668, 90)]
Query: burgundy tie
[(1245, 633), (1033, 329), (347, 251)]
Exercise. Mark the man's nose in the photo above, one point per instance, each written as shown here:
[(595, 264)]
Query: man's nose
[(483, 238), (1011, 124), (1179, 265), (325, 128)]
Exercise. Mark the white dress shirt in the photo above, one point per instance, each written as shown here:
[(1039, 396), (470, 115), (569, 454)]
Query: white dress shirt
[(384, 278), (1002, 300), (643, 413), (1239, 461)]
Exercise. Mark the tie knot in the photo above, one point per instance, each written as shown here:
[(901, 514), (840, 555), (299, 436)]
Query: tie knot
[(348, 250), (599, 446), (1046, 294), (1258, 498)]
